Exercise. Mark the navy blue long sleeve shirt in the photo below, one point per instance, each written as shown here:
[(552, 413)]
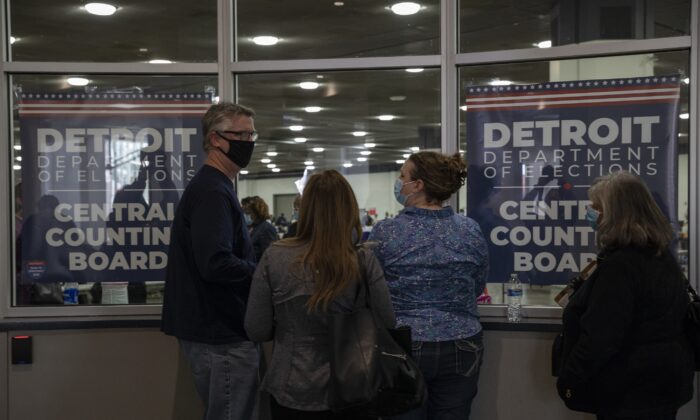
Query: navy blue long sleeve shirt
[(210, 263)]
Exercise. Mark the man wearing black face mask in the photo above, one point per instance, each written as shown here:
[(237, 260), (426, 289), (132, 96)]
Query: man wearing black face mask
[(210, 265)]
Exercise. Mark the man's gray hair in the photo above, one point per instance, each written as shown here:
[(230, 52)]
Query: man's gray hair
[(219, 113)]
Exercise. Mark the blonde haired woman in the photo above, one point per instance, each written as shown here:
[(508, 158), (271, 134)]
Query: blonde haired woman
[(625, 353), (298, 282)]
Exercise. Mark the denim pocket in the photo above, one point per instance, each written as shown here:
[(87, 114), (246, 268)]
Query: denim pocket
[(416, 347), (469, 354)]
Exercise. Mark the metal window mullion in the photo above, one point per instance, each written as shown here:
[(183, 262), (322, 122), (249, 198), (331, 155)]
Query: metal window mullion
[(6, 210), (268, 66), (110, 68), (694, 150), (575, 51), (448, 83), (226, 40)]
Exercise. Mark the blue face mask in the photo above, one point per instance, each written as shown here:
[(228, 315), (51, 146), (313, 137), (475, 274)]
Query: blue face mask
[(248, 219), (398, 185), (592, 217)]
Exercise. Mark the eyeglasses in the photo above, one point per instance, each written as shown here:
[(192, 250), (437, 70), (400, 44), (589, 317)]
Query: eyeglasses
[(242, 135)]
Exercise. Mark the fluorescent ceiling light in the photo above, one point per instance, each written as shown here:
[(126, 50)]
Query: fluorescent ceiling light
[(160, 61), (684, 116), (362, 159), (100, 9), (272, 154), (18, 158), (318, 149), (543, 44), (397, 98), (13, 40), (415, 70), (338, 3), (497, 82), (77, 81), (243, 172), (365, 153), (369, 145), (347, 164), (271, 165), (415, 149), (405, 8), (686, 80), (18, 147), (682, 134), (266, 40), (359, 133), (406, 155), (400, 161), (309, 162), (312, 108), (308, 85), (296, 127), (463, 107), (311, 168), (300, 139), (386, 117), (275, 170), (265, 160), (16, 167)]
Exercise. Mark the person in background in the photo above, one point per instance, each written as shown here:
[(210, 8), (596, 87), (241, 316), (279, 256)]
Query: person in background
[(299, 281), (210, 267), (292, 231), (625, 353), (262, 233), (436, 264)]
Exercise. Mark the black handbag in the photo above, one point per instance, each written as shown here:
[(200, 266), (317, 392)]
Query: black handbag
[(692, 325), (370, 372)]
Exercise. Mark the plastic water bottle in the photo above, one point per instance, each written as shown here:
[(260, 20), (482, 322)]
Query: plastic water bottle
[(70, 293), (514, 295)]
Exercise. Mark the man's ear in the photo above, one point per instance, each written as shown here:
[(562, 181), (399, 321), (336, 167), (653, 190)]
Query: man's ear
[(419, 185)]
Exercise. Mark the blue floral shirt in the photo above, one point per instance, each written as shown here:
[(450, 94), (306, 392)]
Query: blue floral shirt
[(436, 263)]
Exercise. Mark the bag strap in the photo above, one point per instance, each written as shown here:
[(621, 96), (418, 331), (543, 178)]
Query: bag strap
[(364, 284)]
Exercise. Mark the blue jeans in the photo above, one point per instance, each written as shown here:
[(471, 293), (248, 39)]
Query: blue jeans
[(451, 371), (226, 378)]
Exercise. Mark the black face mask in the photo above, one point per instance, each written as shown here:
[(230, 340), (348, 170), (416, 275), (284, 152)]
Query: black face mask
[(239, 152)]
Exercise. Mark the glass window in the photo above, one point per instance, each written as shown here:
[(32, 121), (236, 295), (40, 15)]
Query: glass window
[(62, 30), (488, 192), (309, 29), (98, 172), (501, 25), (362, 123)]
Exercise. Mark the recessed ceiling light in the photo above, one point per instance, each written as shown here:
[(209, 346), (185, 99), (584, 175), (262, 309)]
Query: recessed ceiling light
[(400, 161), (405, 8), (16, 167), (684, 116), (365, 153), (318, 149), (77, 81), (271, 165), (265, 160), (312, 108), (143, 49), (160, 61), (319, 76), (686, 80), (18, 158), (362, 159), (682, 134), (308, 162), (415, 149), (13, 39), (338, 3), (296, 127), (300, 139), (18, 147), (359, 133), (347, 164), (463, 107), (308, 85), (386, 117), (543, 44), (272, 154), (275, 170), (397, 98), (369, 145), (243, 172), (415, 70), (497, 82), (406, 155), (100, 9), (265, 40), (215, 99)]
